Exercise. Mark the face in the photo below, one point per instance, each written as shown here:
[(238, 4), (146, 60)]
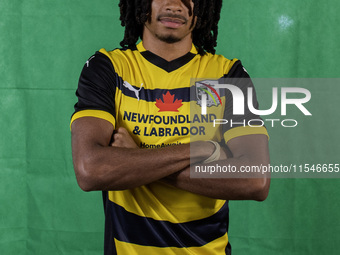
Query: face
[(171, 20)]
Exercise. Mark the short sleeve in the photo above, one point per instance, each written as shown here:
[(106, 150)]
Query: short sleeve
[(96, 89), (246, 123)]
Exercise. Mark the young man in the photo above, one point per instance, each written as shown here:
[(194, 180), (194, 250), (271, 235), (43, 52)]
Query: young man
[(136, 97)]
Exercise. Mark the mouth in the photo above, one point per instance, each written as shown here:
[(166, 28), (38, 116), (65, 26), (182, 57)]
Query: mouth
[(172, 21)]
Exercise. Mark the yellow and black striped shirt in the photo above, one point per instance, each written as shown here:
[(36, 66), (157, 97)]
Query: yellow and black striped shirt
[(151, 98)]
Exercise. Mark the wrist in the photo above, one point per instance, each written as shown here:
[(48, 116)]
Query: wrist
[(215, 155), (201, 150)]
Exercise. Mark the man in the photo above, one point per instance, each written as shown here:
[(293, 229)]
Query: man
[(135, 97)]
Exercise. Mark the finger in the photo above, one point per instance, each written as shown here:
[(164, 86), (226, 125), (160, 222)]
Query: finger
[(122, 130)]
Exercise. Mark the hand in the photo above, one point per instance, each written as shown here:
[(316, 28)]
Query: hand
[(122, 138)]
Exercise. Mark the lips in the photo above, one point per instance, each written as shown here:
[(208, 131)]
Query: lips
[(172, 21)]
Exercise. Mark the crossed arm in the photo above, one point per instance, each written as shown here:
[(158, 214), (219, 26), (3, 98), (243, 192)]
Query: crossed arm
[(100, 165)]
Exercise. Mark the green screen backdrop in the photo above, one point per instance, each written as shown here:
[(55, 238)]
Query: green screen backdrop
[(43, 47)]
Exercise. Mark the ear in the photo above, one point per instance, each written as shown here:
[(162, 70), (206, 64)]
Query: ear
[(196, 23), (148, 17)]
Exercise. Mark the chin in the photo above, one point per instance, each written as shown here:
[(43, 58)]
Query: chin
[(169, 39)]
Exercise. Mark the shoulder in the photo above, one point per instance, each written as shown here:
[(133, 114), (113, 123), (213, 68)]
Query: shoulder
[(122, 59), (233, 67), (105, 62), (118, 54), (98, 72), (97, 62), (230, 67)]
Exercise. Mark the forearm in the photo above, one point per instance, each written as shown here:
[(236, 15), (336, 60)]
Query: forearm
[(100, 165), (110, 168), (232, 186)]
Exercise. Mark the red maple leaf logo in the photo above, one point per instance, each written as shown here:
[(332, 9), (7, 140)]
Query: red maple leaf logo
[(168, 104)]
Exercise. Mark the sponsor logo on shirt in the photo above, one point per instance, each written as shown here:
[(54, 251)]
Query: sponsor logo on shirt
[(168, 103)]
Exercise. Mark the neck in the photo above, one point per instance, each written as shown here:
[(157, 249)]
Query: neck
[(167, 51)]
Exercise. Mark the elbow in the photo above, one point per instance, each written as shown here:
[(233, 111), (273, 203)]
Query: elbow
[(86, 179), (261, 189), (85, 184), (91, 175)]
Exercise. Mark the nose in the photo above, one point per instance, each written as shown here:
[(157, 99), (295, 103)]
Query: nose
[(175, 6)]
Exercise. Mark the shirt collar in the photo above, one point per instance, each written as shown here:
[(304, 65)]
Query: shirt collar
[(140, 48)]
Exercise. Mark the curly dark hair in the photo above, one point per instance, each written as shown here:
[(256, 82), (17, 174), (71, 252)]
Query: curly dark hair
[(134, 13)]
